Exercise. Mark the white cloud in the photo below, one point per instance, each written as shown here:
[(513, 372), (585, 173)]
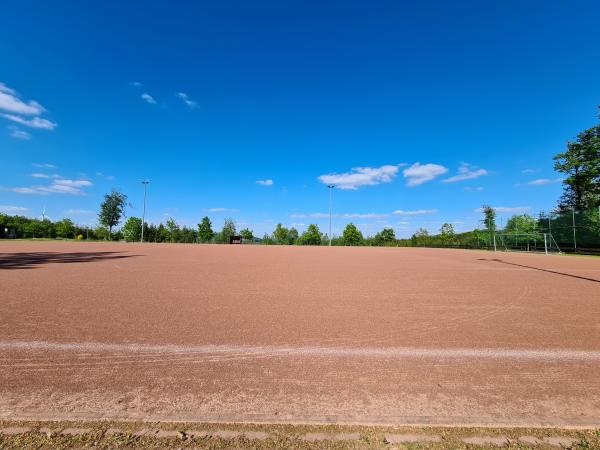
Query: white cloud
[(19, 134), (473, 189), (36, 122), (148, 98), (44, 166), (421, 173), (508, 209), (74, 183), (544, 181), (79, 212), (466, 172), (342, 216), (187, 100), (9, 101), (265, 182), (528, 171), (14, 108), (9, 209), (364, 216), (418, 212), (106, 177), (39, 175), (58, 186), (136, 83), (361, 176), (218, 210)]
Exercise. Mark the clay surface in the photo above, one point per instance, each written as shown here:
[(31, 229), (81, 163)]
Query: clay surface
[(298, 334)]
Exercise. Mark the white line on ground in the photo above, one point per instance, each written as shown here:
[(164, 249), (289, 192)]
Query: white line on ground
[(307, 351)]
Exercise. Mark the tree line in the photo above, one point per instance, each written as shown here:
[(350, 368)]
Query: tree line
[(579, 163)]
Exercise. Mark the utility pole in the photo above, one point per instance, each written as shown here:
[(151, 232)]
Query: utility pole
[(330, 187), (145, 183)]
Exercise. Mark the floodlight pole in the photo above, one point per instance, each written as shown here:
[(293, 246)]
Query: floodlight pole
[(145, 183), (330, 187)]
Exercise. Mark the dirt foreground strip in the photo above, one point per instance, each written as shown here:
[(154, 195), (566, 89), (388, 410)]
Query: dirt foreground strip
[(110, 434), (378, 336), (340, 352)]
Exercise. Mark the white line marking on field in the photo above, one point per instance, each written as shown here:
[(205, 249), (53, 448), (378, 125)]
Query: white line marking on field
[(307, 351)]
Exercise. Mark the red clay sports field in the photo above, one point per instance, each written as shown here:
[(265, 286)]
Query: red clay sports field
[(298, 334)]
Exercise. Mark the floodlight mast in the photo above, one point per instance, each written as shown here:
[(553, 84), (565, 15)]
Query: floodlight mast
[(145, 183), (330, 187)]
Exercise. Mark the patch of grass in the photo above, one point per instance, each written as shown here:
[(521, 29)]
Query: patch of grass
[(280, 436)]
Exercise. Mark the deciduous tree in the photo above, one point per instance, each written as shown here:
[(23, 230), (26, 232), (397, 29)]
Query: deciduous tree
[(111, 210)]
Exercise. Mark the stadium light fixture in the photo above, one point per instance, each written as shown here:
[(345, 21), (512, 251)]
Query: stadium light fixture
[(330, 187)]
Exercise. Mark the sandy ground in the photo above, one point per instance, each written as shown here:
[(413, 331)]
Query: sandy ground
[(298, 334)]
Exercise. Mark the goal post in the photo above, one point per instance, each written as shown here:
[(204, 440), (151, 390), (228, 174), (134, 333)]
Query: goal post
[(525, 242)]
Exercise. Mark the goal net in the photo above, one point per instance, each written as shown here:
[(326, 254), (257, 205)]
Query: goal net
[(526, 242)]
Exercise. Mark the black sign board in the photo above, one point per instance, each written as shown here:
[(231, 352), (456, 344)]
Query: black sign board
[(235, 239)]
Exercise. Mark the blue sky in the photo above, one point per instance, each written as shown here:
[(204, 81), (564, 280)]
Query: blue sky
[(419, 112)]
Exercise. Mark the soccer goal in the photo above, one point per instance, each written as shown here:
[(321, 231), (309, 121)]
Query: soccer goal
[(526, 242)]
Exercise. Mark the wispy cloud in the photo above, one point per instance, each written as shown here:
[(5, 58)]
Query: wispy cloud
[(473, 189), (508, 209), (529, 170), (36, 122), (14, 109), (544, 181), (148, 98), (58, 186), (106, 177), (220, 210), (265, 182), (422, 173), (342, 216), (79, 212), (44, 166), (10, 101), (135, 83), (361, 176), (19, 134), (187, 100), (417, 212), (466, 172), (9, 209)]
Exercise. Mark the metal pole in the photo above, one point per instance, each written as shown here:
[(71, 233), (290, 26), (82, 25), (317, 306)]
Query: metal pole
[(494, 242), (574, 232), (145, 183), (330, 187), (545, 244)]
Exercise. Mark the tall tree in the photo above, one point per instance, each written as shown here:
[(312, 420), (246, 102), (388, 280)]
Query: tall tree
[(293, 236), (132, 229), (489, 220), (246, 234), (227, 231), (111, 210), (65, 228), (447, 233), (581, 165), (173, 229), (205, 231), (385, 237), (352, 235), (281, 235), (522, 223), (311, 236)]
